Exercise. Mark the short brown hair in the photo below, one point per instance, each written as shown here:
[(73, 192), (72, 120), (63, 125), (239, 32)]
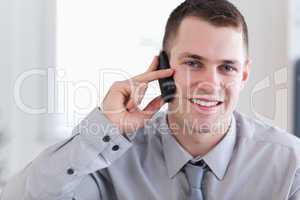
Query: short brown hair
[(220, 13)]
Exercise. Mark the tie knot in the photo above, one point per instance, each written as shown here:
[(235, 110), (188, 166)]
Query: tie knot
[(199, 163), (194, 174)]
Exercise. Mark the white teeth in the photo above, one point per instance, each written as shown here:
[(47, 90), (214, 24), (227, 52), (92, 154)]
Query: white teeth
[(205, 103)]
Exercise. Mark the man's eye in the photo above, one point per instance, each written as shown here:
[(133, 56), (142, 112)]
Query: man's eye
[(228, 68), (193, 64)]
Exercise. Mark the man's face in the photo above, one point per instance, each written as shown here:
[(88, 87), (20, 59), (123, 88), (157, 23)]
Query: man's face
[(211, 69)]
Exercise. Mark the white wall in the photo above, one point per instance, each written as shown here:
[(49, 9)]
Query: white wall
[(27, 42), (270, 86), (5, 49)]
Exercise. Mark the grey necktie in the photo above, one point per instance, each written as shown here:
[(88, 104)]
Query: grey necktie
[(194, 174)]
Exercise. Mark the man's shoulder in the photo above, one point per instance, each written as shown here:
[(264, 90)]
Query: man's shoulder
[(263, 132)]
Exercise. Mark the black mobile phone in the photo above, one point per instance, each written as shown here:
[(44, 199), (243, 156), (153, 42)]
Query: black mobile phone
[(167, 85)]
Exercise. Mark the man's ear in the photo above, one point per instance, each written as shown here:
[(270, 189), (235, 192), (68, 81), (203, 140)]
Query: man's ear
[(246, 72)]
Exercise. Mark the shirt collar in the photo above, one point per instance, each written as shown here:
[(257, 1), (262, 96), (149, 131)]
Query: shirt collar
[(176, 156), (219, 157)]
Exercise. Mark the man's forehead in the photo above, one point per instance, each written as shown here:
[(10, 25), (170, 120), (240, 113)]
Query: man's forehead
[(194, 30), (203, 40)]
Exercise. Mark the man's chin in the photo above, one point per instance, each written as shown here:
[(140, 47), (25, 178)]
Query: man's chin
[(199, 123)]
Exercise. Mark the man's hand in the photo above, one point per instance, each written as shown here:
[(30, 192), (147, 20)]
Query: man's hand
[(121, 102)]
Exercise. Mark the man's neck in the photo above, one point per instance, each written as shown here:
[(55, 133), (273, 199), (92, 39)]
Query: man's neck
[(197, 144)]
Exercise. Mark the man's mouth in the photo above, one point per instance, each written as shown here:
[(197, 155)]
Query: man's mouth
[(206, 103)]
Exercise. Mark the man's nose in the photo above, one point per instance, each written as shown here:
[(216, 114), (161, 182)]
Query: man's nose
[(210, 81)]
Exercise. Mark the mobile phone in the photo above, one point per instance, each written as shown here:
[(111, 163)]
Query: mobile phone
[(167, 85)]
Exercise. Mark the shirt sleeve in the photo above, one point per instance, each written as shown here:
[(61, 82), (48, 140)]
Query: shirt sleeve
[(95, 143), (295, 189)]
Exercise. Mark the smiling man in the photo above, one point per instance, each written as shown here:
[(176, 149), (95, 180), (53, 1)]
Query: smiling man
[(199, 149), (212, 66)]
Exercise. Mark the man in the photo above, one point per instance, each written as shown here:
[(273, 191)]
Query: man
[(199, 149)]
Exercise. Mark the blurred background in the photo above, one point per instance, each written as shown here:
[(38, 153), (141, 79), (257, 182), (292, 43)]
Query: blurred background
[(59, 58)]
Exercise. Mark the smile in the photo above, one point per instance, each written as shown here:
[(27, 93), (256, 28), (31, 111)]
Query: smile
[(206, 104)]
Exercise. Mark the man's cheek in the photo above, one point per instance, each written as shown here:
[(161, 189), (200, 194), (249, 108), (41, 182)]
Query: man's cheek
[(233, 87), (182, 87), (231, 94)]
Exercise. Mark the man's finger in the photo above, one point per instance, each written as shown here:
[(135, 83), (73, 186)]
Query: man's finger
[(136, 96), (154, 64), (154, 75), (153, 106)]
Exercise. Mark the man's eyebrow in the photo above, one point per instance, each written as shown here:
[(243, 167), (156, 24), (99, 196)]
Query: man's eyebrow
[(197, 57)]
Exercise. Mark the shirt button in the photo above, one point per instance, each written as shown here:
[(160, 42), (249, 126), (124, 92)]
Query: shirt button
[(70, 171), (115, 148), (106, 138)]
